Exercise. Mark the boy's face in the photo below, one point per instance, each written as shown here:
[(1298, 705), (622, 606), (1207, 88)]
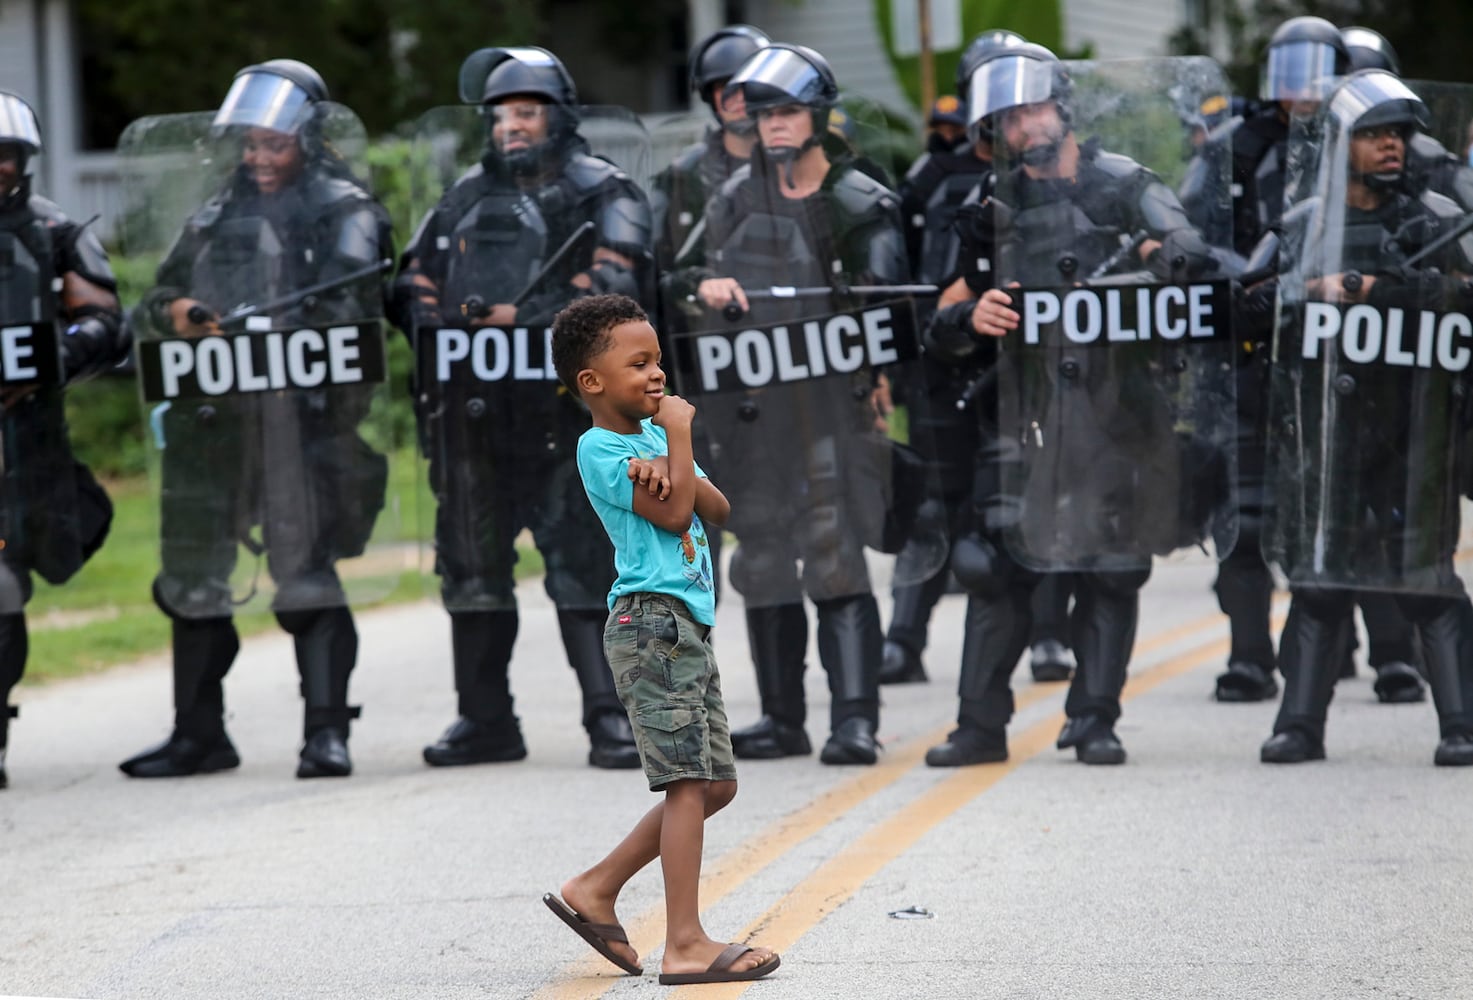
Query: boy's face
[(626, 383)]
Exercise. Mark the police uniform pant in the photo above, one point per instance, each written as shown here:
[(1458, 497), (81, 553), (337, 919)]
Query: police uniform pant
[(484, 505), (1102, 634), (1316, 640), (1051, 609), (14, 648), (773, 532), (998, 621), (1245, 585)]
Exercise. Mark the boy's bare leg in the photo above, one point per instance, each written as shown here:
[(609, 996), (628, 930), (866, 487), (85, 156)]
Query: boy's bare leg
[(688, 948), (594, 892)]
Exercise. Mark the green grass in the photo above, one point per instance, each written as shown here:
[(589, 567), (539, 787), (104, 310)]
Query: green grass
[(105, 615)]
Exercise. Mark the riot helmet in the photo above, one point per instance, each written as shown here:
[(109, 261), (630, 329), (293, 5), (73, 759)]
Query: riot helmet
[(277, 95), (1304, 57), (784, 75), (19, 129), (717, 58), (1013, 77), (1369, 49), (982, 48), (490, 77), (1375, 99)]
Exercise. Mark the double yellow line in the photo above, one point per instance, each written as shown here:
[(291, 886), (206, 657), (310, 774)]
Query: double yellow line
[(838, 879)]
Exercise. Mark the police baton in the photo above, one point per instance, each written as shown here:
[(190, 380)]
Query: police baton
[(733, 310), (475, 306), (199, 314)]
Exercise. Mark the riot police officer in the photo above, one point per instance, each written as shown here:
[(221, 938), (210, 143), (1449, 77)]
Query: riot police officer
[(1303, 54), (931, 194), (1062, 209), (538, 222), (679, 193), (1366, 445), (298, 239), (56, 282), (800, 213)]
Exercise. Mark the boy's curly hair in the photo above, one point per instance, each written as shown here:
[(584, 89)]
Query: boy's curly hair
[(580, 332)]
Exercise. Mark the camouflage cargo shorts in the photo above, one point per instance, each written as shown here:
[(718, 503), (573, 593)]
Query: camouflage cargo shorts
[(665, 672)]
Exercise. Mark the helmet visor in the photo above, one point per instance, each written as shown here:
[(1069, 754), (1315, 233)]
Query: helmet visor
[(1298, 71), (263, 100), (778, 76), (1376, 98), (1007, 82), (18, 123)]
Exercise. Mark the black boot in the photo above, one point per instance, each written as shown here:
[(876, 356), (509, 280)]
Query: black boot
[(1447, 651), (1315, 641), (778, 639), (1245, 590), (1049, 657), (14, 647), (906, 637), (1393, 649), (849, 647), (995, 633), (1105, 612), (327, 650), (487, 730), (611, 740), (204, 649)]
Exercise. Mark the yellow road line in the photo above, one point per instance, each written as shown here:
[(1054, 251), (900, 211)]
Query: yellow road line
[(590, 976)]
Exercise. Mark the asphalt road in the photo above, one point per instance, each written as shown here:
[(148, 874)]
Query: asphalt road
[(1193, 870)]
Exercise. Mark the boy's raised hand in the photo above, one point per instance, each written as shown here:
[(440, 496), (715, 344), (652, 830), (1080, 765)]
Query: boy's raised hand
[(674, 412), (653, 474)]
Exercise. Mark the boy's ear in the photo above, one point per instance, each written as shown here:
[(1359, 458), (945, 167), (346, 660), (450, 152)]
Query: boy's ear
[(588, 383)]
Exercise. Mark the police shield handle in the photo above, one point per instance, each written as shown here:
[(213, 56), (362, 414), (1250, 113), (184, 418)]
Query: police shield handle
[(192, 318), (993, 315)]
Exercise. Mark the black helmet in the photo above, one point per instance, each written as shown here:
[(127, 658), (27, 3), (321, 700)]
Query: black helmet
[(278, 95), (1304, 57), (721, 54), (1011, 77), (18, 123), (979, 51), (787, 74), (489, 76), (1374, 97), (1369, 49)]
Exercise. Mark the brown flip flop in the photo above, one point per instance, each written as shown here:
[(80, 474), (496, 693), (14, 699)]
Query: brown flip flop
[(719, 971), (597, 935)]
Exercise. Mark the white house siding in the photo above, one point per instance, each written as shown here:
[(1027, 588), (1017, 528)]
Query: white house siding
[(1121, 29)]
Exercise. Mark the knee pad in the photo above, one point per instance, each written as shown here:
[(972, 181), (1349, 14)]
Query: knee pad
[(299, 622), (1122, 584), (981, 566)]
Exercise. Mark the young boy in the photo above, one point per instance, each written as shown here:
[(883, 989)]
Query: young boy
[(654, 501)]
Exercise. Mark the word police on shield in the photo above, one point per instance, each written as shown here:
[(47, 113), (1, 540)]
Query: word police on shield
[(798, 350), (29, 354), (262, 361), (1399, 338), (1126, 314)]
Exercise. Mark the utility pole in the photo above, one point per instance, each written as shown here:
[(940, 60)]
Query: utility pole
[(928, 68)]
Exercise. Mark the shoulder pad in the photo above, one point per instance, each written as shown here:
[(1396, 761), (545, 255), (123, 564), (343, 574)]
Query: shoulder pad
[(1115, 165), (47, 210), (1440, 205), (859, 194), (688, 160), (587, 172), (1424, 149), (1222, 133), (918, 167), (738, 177)]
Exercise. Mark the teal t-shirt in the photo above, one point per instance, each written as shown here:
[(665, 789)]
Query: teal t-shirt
[(648, 559)]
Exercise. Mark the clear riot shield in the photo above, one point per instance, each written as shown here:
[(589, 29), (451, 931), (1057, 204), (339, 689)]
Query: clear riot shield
[(1116, 389), (786, 389), (498, 430), (260, 353), (1369, 409), (40, 528), (690, 167)]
